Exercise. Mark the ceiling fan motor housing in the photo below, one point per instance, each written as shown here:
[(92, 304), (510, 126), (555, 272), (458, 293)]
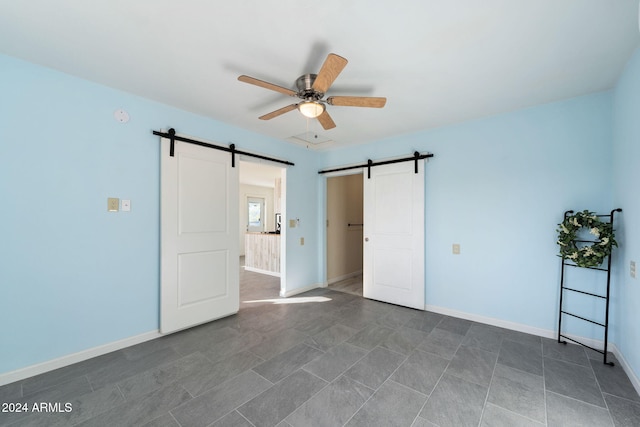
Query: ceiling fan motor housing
[(304, 84)]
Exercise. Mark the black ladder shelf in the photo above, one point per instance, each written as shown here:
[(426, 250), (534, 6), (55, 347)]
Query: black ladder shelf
[(563, 288)]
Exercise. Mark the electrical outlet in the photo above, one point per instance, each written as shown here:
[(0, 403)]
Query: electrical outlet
[(632, 269), (456, 249), (113, 204), (302, 241)]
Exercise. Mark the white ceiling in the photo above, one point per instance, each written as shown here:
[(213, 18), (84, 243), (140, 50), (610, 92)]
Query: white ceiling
[(437, 61)]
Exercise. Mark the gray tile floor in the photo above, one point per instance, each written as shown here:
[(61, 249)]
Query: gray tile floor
[(327, 358)]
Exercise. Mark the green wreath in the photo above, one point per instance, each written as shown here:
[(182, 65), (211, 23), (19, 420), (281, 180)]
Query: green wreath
[(580, 252)]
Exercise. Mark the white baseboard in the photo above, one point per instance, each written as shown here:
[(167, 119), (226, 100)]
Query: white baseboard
[(258, 270), (546, 333), (344, 277), (626, 367), (50, 365), (493, 321), (297, 291)]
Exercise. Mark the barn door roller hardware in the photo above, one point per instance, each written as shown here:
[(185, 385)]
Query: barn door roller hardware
[(172, 137), (370, 163)]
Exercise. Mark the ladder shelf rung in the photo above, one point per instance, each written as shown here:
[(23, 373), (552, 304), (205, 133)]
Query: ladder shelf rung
[(590, 268), (582, 318), (583, 292), (584, 345)]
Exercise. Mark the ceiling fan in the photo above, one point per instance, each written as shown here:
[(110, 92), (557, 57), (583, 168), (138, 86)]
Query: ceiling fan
[(312, 88)]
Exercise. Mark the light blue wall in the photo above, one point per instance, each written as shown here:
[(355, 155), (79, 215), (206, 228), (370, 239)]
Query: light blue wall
[(499, 186), (72, 275), (626, 178)]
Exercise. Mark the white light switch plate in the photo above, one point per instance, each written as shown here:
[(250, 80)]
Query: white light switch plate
[(126, 205)]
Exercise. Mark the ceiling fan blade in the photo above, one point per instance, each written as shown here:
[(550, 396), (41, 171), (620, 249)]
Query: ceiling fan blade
[(357, 101), (326, 121), (266, 85), (332, 66), (278, 112)]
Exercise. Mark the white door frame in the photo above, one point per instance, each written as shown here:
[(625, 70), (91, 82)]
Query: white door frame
[(283, 212), (325, 176)]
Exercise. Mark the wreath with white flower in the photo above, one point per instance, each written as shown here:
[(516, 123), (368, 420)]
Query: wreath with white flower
[(580, 251)]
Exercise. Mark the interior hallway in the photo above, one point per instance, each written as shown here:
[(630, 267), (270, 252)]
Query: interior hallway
[(331, 358), (351, 285)]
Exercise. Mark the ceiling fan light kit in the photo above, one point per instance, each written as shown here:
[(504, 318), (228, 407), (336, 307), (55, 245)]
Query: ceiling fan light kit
[(312, 88), (311, 109)]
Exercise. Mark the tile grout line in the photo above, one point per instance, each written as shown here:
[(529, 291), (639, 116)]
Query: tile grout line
[(544, 387), (595, 377), (635, 402), (174, 418), (580, 401), (574, 398), (378, 388), (345, 371), (486, 398), (441, 375), (305, 402), (117, 385), (430, 394), (86, 376), (245, 418)]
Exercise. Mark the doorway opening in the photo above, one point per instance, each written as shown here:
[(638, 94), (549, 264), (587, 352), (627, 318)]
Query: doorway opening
[(344, 233), (262, 207)]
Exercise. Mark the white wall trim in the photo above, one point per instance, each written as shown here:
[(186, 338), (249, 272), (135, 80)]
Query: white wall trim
[(258, 270), (297, 291), (546, 333), (635, 381), (492, 321), (60, 362)]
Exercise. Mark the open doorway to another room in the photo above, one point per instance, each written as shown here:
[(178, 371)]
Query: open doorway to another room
[(262, 188), (344, 233)]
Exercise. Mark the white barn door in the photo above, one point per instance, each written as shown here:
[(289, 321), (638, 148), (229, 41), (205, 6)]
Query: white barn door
[(393, 269), (199, 236)]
